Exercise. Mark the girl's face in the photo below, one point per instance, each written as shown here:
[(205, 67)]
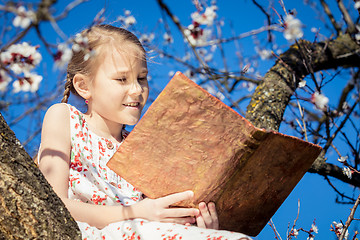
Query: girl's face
[(119, 89)]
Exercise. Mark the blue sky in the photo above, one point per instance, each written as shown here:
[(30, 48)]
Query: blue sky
[(316, 198)]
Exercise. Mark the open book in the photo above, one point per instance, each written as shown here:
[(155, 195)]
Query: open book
[(190, 140)]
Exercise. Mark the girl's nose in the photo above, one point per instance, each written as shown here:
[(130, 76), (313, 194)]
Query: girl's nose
[(135, 89)]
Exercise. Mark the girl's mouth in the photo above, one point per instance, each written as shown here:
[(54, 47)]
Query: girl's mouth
[(133, 104)]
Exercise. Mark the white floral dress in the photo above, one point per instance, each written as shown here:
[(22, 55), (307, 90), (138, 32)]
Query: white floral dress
[(91, 181)]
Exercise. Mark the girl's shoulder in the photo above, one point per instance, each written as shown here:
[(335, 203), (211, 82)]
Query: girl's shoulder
[(60, 110), (56, 117)]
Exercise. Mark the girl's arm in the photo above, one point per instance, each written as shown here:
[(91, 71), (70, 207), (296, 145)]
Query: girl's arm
[(54, 158)]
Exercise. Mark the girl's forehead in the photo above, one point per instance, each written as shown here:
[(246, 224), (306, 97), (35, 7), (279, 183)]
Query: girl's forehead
[(123, 60)]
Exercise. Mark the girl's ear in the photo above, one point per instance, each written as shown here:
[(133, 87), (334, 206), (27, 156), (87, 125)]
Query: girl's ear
[(82, 85)]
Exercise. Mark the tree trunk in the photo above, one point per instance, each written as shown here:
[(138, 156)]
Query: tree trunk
[(29, 208)]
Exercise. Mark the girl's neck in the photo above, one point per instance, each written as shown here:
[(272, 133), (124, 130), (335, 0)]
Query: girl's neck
[(104, 128)]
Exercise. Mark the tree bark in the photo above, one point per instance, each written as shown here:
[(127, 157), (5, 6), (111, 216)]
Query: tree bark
[(271, 97), (29, 208)]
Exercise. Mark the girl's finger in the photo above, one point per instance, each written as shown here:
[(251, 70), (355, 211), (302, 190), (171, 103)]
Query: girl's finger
[(200, 221), (176, 197), (183, 221), (181, 212), (214, 216), (204, 212)]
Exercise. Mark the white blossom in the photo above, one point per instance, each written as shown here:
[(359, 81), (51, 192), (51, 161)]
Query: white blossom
[(343, 159), (128, 20), (186, 57), (63, 55), (196, 35), (89, 54), (295, 232), (4, 80), (213, 48), (23, 18), (357, 36), (30, 83), (314, 228), (347, 172), (293, 28), (314, 30), (208, 57), (80, 43), (171, 73), (339, 228), (147, 38), (34, 81), (357, 5), (190, 74), (213, 92), (168, 38), (302, 84), (206, 18), (249, 86), (319, 100), (264, 53), (17, 68), (310, 237)]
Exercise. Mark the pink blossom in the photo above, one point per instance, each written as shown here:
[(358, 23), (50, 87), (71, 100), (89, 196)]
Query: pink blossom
[(21, 57)]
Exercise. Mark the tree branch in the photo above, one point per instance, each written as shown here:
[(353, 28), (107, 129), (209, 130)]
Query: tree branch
[(271, 97)]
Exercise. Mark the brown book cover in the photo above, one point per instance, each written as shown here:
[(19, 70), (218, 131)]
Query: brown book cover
[(190, 140)]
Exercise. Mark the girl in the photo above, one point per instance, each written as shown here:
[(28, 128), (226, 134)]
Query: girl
[(75, 148)]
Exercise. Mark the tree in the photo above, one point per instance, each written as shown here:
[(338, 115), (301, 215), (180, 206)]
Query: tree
[(290, 95)]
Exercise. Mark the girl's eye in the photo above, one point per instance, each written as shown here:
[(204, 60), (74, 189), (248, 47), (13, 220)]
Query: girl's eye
[(121, 79), (141, 79)]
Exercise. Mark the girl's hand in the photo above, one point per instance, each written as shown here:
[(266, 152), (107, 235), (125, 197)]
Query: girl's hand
[(207, 217), (159, 210)]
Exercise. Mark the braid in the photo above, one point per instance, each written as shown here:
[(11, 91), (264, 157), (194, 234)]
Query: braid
[(68, 86)]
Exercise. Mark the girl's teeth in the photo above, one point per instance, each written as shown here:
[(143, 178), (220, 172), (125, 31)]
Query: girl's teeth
[(132, 104)]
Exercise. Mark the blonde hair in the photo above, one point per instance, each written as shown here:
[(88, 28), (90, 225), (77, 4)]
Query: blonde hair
[(99, 36)]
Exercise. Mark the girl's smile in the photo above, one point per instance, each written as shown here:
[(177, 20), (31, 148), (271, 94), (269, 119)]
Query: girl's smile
[(134, 105)]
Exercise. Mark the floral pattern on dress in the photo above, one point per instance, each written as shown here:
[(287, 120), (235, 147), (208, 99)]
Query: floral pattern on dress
[(91, 181)]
